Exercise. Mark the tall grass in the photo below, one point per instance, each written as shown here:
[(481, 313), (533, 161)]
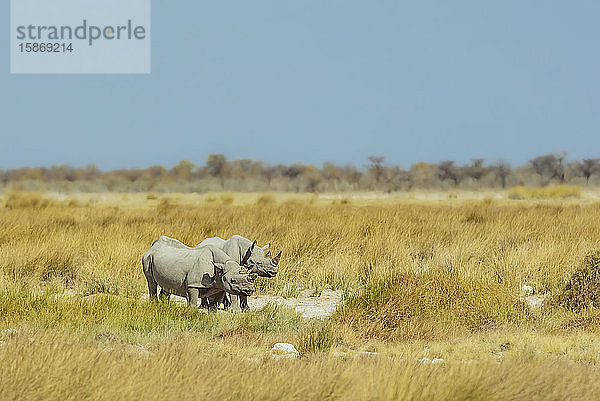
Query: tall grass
[(56, 367), (414, 274)]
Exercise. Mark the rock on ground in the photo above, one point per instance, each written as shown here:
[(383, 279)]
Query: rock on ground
[(284, 350)]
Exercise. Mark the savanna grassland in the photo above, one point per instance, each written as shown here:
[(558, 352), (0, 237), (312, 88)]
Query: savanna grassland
[(421, 278)]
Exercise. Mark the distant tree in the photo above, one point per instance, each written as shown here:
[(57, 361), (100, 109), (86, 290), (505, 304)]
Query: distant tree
[(217, 166), (156, 171), (245, 168), (376, 167), (269, 172), (448, 171), (90, 172), (397, 179), (293, 171), (331, 173), (313, 178), (476, 170), (351, 174), (423, 174), (184, 170), (502, 170), (587, 168), (549, 166)]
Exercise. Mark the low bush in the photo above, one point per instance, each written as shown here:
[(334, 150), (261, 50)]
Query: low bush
[(583, 288), (26, 200), (551, 192)]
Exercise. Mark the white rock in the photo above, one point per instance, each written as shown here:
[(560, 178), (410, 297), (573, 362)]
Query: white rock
[(525, 290), (138, 349), (284, 350), (10, 332), (426, 361), (534, 301)]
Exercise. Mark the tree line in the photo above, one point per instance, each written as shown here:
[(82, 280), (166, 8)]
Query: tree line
[(220, 174)]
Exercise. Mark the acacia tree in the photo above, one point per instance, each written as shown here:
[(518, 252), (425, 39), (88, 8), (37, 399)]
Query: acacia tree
[(549, 166), (217, 166), (476, 170), (587, 168), (184, 170), (331, 173), (502, 170), (376, 167), (448, 171)]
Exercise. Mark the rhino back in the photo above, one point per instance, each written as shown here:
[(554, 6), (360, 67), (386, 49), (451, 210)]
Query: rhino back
[(174, 268), (214, 241), (236, 247), (172, 242)]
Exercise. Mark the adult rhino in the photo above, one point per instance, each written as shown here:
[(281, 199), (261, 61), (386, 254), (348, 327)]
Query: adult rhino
[(193, 272), (247, 254)]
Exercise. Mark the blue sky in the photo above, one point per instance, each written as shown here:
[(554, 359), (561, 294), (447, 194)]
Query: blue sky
[(316, 81)]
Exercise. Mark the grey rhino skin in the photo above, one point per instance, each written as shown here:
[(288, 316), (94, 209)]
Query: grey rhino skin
[(193, 273), (247, 254)]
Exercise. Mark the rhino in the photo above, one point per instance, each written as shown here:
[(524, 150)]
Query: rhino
[(247, 254), (193, 272)]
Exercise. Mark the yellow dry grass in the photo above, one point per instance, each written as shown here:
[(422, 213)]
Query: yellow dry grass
[(421, 278)]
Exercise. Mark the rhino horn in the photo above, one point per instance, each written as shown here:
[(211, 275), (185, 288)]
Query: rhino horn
[(276, 259), (248, 254)]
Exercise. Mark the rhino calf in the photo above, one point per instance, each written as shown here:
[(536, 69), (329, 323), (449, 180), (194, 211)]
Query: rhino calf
[(193, 273), (247, 254)]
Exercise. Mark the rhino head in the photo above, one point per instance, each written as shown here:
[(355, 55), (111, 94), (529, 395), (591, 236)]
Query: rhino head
[(234, 279), (256, 261)]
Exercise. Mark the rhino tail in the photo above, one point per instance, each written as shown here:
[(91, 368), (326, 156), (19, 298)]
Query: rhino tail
[(148, 266)]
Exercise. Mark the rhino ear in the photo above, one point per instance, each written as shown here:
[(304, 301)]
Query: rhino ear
[(248, 254), (218, 269), (276, 259), (268, 254), (264, 248)]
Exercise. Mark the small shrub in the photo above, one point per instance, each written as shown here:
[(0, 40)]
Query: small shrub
[(431, 305), (265, 199), (227, 199), (583, 288), (26, 200), (474, 217), (164, 206), (315, 337)]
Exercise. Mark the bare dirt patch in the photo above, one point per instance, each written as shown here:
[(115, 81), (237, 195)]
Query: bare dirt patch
[(308, 303)]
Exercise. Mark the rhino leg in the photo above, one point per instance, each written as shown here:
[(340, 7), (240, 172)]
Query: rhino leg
[(204, 303), (244, 302), (235, 303), (226, 301), (192, 296), (215, 300)]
